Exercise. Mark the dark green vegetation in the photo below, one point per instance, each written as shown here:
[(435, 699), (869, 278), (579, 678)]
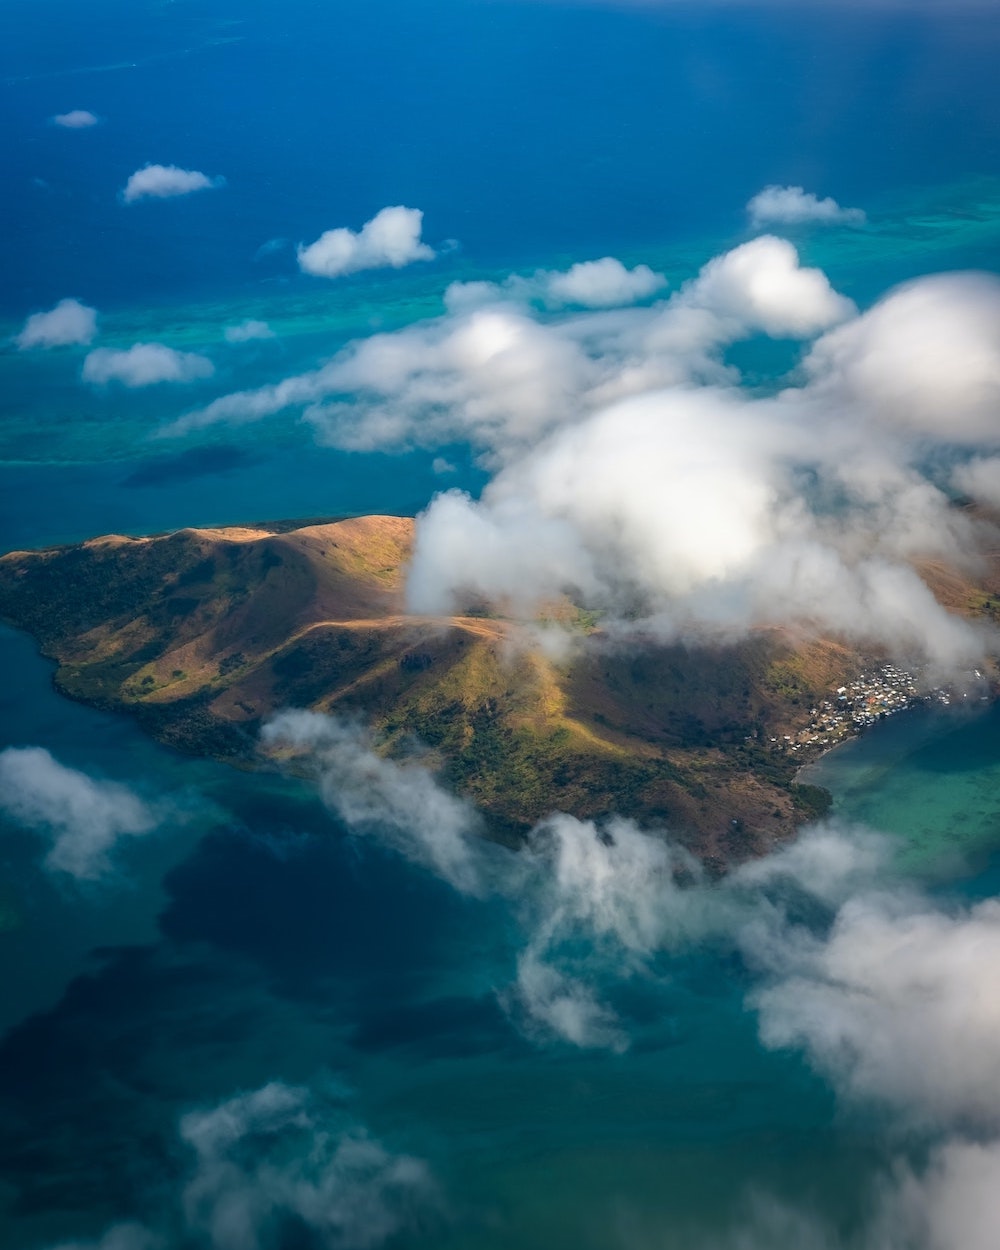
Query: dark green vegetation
[(203, 633)]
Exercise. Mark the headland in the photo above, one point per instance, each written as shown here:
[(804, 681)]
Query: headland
[(204, 633)]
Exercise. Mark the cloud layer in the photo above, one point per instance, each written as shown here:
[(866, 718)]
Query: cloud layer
[(68, 324), (497, 373), (389, 241), (161, 182), (888, 992), (635, 471)]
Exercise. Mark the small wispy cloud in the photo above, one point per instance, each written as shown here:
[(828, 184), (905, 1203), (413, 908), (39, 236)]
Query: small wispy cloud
[(248, 332), (144, 364), (555, 1004), (69, 323), (277, 1158), (389, 241), (271, 248), (76, 119), (270, 1165), (161, 182), (402, 801), (83, 817)]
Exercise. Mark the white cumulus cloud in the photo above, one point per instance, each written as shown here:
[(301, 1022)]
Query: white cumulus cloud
[(83, 818), (69, 323), (898, 1005), (389, 241), (75, 119), (144, 364), (496, 372), (604, 283), (762, 286), (160, 182), (684, 506), (792, 206), (598, 902), (925, 360), (953, 1204)]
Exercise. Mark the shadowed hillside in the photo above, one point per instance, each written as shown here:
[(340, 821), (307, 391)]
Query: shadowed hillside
[(203, 633)]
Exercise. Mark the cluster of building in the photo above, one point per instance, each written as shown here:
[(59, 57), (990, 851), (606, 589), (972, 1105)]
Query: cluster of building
[(870, 698)]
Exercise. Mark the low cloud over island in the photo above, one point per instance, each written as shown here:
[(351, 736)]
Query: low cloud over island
[(633, 470)]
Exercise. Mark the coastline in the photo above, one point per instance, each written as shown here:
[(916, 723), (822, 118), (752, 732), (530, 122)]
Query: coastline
[(936, 717)]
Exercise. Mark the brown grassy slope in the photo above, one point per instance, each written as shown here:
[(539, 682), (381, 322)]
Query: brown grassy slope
[(203, 633)]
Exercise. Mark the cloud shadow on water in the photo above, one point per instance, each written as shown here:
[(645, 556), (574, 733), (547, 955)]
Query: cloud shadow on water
[(186, 465), (282, 957), (316, 916)]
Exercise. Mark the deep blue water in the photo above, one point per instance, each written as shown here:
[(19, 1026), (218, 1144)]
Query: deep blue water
[(521, 129), (44, 505)]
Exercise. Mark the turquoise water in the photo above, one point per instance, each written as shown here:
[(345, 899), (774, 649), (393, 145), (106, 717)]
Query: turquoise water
[(929, 778)]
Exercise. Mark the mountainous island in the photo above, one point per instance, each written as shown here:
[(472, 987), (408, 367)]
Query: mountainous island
[(203, 633)]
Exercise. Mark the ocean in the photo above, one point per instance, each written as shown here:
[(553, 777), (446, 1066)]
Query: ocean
[(252, 938)]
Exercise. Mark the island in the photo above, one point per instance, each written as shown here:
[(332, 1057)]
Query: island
[(204, 633)]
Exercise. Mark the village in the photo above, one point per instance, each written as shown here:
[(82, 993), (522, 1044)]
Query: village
[(870, 698)]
